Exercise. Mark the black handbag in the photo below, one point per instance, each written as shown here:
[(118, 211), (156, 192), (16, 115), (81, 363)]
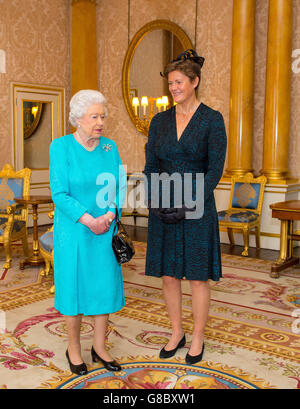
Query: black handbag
[(121, 242)]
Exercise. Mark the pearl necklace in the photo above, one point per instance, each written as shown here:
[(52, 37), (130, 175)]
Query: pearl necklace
[(191, 111), (88, 148)]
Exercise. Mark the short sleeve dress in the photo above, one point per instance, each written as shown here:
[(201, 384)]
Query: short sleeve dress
[(189, 249), (88, 280)]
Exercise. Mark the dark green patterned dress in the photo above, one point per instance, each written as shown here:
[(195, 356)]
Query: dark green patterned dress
[(191, 247)]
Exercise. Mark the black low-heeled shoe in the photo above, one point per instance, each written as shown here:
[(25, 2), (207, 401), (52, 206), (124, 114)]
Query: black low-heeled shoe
[(190, 359), (109, 365), (168, 354), (80, 369)]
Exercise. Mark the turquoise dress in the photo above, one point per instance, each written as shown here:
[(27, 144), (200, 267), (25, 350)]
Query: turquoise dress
[(88, 280)]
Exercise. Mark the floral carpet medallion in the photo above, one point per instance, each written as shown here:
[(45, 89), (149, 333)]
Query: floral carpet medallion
[(251, 340), (140, 374)]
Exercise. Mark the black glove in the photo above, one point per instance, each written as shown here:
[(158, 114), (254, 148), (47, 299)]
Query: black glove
[(171, 215), (156, 211)]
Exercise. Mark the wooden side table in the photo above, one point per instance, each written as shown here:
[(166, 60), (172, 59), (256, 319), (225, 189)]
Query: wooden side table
[(35, 259), (286, 212)]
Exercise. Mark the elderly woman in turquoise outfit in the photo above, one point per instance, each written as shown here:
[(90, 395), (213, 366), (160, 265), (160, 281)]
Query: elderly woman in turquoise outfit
[(187, 139), (87, 180)]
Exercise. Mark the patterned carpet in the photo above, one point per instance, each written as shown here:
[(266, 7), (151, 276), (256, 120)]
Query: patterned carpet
[(251, 336)]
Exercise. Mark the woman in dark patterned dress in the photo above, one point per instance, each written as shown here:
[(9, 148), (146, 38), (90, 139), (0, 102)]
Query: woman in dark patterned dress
[(189, 138)]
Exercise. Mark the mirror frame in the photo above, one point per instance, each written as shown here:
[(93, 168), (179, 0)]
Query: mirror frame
[(147, 28), (31, 127)]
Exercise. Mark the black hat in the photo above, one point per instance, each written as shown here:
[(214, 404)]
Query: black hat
[(190, 55)]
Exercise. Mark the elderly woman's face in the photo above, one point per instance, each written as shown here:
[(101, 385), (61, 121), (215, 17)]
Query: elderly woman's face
[(92, 122), (181, 87)]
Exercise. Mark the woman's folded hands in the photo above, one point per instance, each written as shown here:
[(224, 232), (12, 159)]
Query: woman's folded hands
[(98, 225)]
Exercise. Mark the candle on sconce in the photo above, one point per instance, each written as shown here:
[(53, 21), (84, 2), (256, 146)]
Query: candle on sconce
[(158, 104), (135, 103), (165, 102), (34, 110), (144, 103)]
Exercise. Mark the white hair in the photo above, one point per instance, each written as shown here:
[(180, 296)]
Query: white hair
[(81, 101)]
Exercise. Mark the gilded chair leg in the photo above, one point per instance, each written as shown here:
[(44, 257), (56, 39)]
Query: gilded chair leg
[(45, 271), (230, 235), (8, 257), (246, 242), (257, 236)]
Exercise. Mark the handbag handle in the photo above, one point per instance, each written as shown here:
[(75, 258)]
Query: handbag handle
[(118, 222)]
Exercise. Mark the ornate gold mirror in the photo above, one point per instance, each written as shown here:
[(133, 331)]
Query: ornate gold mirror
[(144, 90), (32, 112), (37, 128)]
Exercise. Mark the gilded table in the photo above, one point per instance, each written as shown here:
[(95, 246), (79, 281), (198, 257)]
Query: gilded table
[(286, 212), (35, 259)]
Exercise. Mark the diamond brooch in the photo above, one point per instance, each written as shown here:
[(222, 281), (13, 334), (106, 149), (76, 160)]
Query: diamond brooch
[(107, 147)]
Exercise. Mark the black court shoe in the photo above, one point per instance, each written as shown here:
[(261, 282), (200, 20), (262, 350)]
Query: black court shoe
[(109, 365), (190, 359), (80, 369), (168, 354)]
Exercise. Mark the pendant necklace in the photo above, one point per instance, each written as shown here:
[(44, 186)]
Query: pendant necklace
[(191, 111)]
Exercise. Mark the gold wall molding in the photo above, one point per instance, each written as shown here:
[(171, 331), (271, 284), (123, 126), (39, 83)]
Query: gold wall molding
[(241, 89), (278, 92)]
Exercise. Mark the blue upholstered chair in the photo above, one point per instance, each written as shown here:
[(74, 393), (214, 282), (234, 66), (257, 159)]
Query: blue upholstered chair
[(245, 205), (46, 249), (13, 217)]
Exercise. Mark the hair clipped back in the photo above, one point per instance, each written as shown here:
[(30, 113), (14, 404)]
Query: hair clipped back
[(188, 62), (81, 101)]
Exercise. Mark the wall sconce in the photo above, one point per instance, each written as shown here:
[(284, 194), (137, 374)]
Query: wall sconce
[(143, 123)]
